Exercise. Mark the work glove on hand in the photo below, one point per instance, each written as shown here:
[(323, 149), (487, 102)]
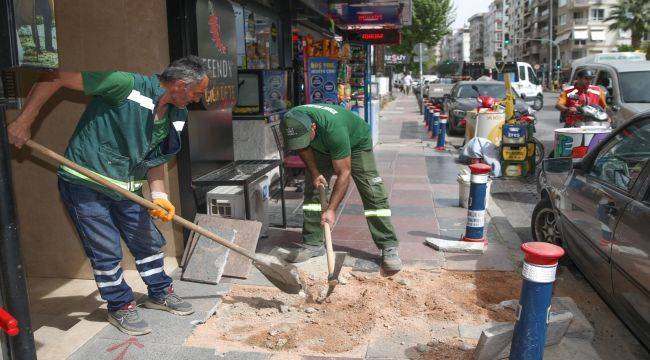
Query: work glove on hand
[(161, 199)]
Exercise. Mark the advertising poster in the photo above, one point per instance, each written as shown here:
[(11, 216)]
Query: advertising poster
[(36, 30), (322, 80)]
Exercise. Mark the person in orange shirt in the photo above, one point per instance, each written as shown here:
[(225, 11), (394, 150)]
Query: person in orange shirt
[(581, 93)]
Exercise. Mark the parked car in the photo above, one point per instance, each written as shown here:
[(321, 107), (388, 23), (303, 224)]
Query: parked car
[(437, 91), (626, 87), (598, 210), (462, 98)]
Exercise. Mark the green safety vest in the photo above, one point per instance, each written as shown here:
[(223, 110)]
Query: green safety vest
[(116, 142)]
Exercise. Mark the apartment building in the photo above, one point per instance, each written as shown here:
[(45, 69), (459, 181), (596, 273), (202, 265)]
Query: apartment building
[(462, 44), (582, 30), (494, 21), (456, 46), (539, 17), (477, 36)]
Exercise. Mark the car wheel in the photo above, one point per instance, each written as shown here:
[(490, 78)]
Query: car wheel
[(544, 223), (538, 103)]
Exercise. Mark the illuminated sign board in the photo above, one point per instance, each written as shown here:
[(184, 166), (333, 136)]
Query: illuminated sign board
[(380, 36)]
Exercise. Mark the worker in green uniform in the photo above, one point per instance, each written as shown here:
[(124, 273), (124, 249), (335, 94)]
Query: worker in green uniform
[(332, 140), (126, 134)]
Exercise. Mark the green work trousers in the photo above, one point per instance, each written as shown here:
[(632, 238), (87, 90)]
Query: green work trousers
[(373, 195)]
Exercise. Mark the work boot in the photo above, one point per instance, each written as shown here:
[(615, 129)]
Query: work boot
[(305, 252), (169, 301), (390, 261), (128, 320)]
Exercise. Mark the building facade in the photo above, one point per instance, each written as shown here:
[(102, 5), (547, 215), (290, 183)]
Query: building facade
[(477, 36), (582, 29), (494, 21)]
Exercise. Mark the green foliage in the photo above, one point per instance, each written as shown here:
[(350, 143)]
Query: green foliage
[(432, 20), (625, 48), (633, 15)]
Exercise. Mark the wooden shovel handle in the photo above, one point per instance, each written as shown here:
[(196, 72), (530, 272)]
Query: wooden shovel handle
[(135, 198), (328, 234)]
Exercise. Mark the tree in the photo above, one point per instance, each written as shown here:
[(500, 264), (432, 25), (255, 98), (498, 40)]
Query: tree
[(432, 20), (632, 15)]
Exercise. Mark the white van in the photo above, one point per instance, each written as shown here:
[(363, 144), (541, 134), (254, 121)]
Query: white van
[(524, 81)]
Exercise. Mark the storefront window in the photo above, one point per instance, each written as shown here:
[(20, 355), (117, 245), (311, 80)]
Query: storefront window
[(260, 39)]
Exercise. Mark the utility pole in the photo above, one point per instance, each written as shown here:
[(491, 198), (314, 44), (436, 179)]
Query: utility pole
[(420, 55), (550, 44)]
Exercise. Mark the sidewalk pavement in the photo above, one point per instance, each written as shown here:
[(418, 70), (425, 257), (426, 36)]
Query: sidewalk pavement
[(424, 202)]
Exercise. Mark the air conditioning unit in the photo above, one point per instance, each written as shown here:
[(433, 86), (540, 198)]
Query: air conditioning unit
[(228, 202)]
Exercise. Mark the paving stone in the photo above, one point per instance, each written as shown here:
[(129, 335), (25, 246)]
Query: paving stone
[(328, 358), (445, 330), (110, 349), (395, 345), (494, 342), (246, 355), (580, 327), (571, 348), (456, 246), (471, 331)]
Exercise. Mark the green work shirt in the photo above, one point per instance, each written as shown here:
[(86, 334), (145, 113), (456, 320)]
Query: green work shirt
[(118, 137), (114, 87), (339, 132)]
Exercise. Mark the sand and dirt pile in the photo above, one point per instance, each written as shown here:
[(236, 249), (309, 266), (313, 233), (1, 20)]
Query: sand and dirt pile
[(363, 306)]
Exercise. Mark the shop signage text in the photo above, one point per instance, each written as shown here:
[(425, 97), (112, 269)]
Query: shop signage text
[(216, 44), (383, 36), (395, 59)]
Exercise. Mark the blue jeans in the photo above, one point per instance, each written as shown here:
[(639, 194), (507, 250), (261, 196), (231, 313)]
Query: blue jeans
[(100, 222)]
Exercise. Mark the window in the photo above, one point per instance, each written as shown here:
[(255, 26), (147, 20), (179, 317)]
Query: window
[(579, 42), (561, 3), (562, 19), (597, 14), (634, 85), (604, 80), (532, 77), (623, 158), (522, 73)]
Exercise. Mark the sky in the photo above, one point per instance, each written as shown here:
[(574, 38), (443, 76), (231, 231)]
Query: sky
[(466, 8)]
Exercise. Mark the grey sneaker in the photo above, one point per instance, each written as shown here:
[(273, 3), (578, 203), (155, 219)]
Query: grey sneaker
[(390, 261), (128, 320), (169, 302), (305, 252)]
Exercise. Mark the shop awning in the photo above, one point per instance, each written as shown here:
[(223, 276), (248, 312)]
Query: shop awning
[(581, 34), (598, 35), (563, 37)]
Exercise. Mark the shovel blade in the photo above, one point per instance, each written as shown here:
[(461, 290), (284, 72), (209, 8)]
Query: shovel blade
[(284, 276)]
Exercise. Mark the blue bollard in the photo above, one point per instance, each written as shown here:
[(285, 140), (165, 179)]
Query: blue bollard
[(435, 123), (540, 265), (474, 231), (442, 131)]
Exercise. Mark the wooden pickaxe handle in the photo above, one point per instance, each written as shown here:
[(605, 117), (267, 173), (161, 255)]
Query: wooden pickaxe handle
[(328, 235)]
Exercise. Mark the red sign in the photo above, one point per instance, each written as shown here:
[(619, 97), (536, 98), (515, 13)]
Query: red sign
[(381, 36), (369, 17)]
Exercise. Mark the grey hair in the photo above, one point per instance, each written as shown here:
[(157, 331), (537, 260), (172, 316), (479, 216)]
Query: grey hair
[(189, 69)]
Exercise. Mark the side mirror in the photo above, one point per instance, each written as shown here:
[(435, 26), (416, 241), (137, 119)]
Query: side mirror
[(523, 96)]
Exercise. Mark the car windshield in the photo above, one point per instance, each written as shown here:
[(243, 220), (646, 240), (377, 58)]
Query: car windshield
[(634, 86), (497, 91)]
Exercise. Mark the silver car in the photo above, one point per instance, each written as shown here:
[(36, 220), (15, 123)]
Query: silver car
[(599, 211)]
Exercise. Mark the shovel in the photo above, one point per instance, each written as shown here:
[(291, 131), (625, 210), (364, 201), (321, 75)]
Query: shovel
[(332, 278), (283, 276)]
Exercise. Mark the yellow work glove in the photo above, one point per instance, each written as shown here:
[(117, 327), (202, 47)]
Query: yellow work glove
[(161, 199)]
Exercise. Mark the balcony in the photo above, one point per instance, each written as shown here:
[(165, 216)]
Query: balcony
[(578, 3), (571, 23)]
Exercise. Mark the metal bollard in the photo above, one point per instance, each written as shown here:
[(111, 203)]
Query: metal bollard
[(435, 123), (534, 308), (425, 113), (474, 231), (442, 130)]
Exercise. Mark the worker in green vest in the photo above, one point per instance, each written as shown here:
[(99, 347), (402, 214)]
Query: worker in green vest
[(332, 140), (126, 134)]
